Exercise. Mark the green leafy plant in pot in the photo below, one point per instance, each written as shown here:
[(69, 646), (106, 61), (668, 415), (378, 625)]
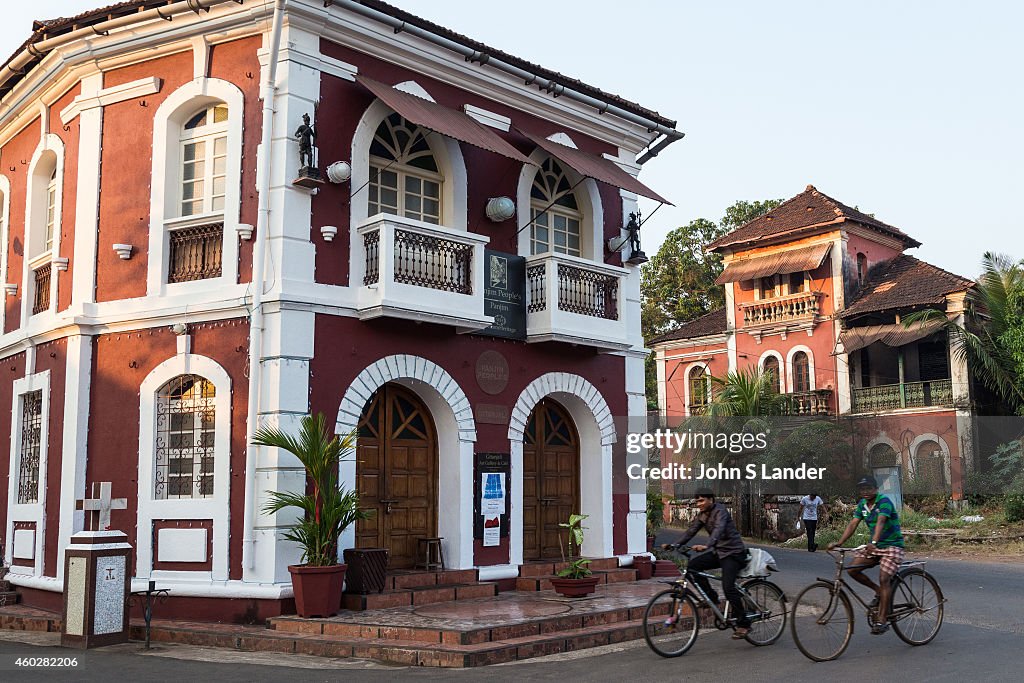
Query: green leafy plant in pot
[(326, 508), (576, 579)]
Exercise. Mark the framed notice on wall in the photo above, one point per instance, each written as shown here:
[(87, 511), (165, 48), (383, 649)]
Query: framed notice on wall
[(505, 294), (492, 501)]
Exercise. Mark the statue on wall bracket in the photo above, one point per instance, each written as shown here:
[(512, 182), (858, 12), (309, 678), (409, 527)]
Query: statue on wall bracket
[(309, 174)]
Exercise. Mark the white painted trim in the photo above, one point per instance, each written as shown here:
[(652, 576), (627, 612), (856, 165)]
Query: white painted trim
[(488, 118), (686, 383), (562, 138), (588, 198), (179, 587), (35, 203), (216, 507), (597, 435), (880, 439), (415, 89), (943, 446), (28, 512), (782, 367), (77, 396), (5, 222), (810, 366), (172, 113), (112, 95), (455, 427), (659, 364)]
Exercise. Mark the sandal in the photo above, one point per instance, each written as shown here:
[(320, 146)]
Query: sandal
[(740, 633)]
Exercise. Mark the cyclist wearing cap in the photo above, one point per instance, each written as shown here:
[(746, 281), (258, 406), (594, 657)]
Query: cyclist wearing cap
[(730, 554), (885, 547)]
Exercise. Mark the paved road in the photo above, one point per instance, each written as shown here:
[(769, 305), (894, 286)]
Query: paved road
[(981, 639)]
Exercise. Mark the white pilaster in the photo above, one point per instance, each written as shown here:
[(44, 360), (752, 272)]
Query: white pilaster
[(77, 392)]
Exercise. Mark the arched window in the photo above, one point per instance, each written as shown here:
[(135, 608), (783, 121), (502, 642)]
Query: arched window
[(862, 268), (185, 435), (700, 385), (404, 176), (555, 212), (882, 455), (801, 372), (929, 467), (771, 368), (204, 154), (51, 210)]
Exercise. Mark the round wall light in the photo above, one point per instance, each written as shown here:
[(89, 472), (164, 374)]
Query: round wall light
[(500, 209)]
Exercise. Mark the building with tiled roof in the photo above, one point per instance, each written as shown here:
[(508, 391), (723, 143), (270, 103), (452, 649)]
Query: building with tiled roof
[(817, 294), (310, 207)]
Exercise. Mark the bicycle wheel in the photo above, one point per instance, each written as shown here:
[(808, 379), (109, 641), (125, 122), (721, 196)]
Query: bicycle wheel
[(671, 623), (822, 621), (767, 603), (917, 602)]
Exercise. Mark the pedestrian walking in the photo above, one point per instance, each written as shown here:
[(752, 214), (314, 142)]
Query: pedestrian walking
[(809, 511)]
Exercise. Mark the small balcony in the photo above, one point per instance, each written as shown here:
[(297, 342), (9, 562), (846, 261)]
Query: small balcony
[(803, 307), (930, 394), (808, 403), (418, 271), (573, 300), (195, 253)]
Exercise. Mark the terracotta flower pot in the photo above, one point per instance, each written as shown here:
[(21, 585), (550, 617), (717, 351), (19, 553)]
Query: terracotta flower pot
[(317, 589), (666, 568), (575, 588), (644, 568)]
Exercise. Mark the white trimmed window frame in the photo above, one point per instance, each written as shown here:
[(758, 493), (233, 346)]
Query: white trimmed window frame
[(782, 367), (5, 212), (166, 186), (915, 447), (28, 512), (46, 169), (686, 384), (215, 507), (404, 171), (810, 368), (588, 199), (207, 135)]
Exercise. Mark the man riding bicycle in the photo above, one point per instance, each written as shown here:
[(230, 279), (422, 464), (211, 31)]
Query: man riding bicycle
[(885, 547), (730, 554)]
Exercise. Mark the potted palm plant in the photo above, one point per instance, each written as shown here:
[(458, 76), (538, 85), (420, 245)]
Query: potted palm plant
[(575, 580), (326, 510)]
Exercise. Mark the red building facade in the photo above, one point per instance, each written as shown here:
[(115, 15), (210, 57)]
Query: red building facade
[(169, 284)]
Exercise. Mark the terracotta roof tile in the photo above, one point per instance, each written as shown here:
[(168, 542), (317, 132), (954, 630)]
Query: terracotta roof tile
[(904, 282), (708, 324), (805, 212)]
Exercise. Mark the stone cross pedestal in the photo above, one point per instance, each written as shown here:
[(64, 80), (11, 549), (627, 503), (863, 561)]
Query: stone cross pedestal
[(97, 578)]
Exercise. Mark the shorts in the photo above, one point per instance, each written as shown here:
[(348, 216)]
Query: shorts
[(888, 559)]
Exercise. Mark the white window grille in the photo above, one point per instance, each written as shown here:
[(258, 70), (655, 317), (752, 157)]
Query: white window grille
[(185, 434)]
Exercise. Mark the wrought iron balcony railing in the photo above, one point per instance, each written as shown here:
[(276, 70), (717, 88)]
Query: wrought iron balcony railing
[(928, 394)]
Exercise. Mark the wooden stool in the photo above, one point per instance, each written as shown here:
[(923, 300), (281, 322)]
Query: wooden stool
[(430, 550)]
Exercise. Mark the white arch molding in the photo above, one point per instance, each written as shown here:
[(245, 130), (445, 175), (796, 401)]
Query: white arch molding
[(810, 367), (48, 157), (882, 438), (456, 436), (686, 383), (943, 446), (782, 367), (216, 507), (596, 428)]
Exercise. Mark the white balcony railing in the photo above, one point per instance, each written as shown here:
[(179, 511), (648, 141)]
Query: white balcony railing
[(574, 300), (793, 308), (410, 269)]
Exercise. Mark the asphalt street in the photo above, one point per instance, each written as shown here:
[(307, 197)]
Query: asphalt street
[(981, 639)]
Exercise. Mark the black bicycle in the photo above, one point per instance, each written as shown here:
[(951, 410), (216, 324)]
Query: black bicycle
[(823, 613), (672, 617)]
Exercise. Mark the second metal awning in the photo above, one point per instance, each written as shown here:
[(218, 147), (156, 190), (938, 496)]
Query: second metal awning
[(441, 119), (795, 261), (891, 335), (593, 166)]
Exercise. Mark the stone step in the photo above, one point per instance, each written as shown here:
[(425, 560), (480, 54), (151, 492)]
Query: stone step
[(605, 576), (8, 597), (419, 579), (395, 649), (550, 568), (420, 595)]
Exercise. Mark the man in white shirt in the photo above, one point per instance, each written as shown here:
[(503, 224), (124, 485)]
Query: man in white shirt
[(809, 506)]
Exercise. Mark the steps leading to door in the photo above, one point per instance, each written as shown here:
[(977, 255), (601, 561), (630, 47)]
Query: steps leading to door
[(405, 588)]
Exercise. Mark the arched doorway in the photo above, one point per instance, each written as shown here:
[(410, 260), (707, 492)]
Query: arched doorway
[(396, 474), (551, 478)]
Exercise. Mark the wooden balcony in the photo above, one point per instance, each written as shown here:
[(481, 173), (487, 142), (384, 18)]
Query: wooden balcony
[(573, 300), (419, 271), (934, 393), (803, 307)]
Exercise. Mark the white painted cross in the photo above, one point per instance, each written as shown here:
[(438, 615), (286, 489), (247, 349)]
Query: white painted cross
[(102, 503)]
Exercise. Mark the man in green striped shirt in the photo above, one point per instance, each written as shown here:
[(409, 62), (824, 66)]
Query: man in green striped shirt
[(884, 549)]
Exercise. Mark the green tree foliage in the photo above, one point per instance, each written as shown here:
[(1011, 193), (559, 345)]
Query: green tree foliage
[(678, 285)]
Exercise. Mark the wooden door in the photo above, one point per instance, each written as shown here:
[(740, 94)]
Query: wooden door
[(396, 474), (551, 479)]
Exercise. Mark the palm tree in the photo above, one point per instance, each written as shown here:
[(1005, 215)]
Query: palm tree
[(745, 393), (994, 326)]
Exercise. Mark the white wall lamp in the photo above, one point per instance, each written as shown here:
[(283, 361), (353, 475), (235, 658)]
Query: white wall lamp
[(500, 209), (245, 231), (339, 172), (124, 251), (329, 231)]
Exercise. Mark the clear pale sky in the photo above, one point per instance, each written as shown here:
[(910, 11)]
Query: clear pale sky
[(910, 110)]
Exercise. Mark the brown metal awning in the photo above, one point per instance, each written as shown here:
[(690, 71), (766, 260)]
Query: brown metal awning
[(890, 335), (795, 261), (441, 119), (598, 168)]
